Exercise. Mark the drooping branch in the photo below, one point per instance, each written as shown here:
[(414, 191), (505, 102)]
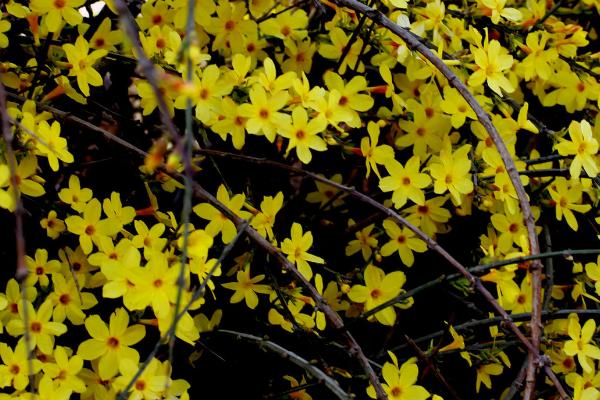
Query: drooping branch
[(509, 164)]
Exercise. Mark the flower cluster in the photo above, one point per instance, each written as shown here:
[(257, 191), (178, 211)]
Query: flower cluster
[(267, 92)]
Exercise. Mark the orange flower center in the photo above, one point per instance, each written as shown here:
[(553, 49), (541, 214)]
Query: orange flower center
[(64, 299), (112, 342), (229, 25), (36, 327)]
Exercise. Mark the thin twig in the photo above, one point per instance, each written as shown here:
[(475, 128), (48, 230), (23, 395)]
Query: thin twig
[(306, 365), (547, 315), (436, 371), (549, 270), (517, 384)]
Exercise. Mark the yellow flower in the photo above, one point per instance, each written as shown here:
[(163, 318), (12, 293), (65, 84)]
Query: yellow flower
[(303, 134), (492, 60), (496, 9), (104, 37), (15, 370), (76, 196), (69, 301), (405, 182), (582, 390), (484, 372), (351, 99), (229, 26), (327, 194), (51, 145), (539, 60), (403, 241), (111, 343), (364, 243), (298, 394), (451, 173), (27, 180), (40, 267), (148, 385), (267, 78), (296, 247), (328, 108), (113, 208), (219, 223), (55, 11), (262, 112), (209, 91), (155, 285), (400, 381), (573, 91), (14, 300), (379, 287), (373, 153), (41, 329), (246, 288), (430, 216), (334, 51), (512, 230), (423, 133), (53, 225), (458, 342), (229, 121), (583, 146), (82, 62), (90, 228), (149, 239), (64, 370), (4, 27), (265, 219), (288, 25), (7, 200), (566, 196), (581, 344), (300, 56), (457, 107)]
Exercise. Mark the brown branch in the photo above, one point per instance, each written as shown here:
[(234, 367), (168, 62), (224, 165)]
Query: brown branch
[(517, 384), (21, 271), (511, 169)]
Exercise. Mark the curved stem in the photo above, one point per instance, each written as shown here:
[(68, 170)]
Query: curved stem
[(509, 164)]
